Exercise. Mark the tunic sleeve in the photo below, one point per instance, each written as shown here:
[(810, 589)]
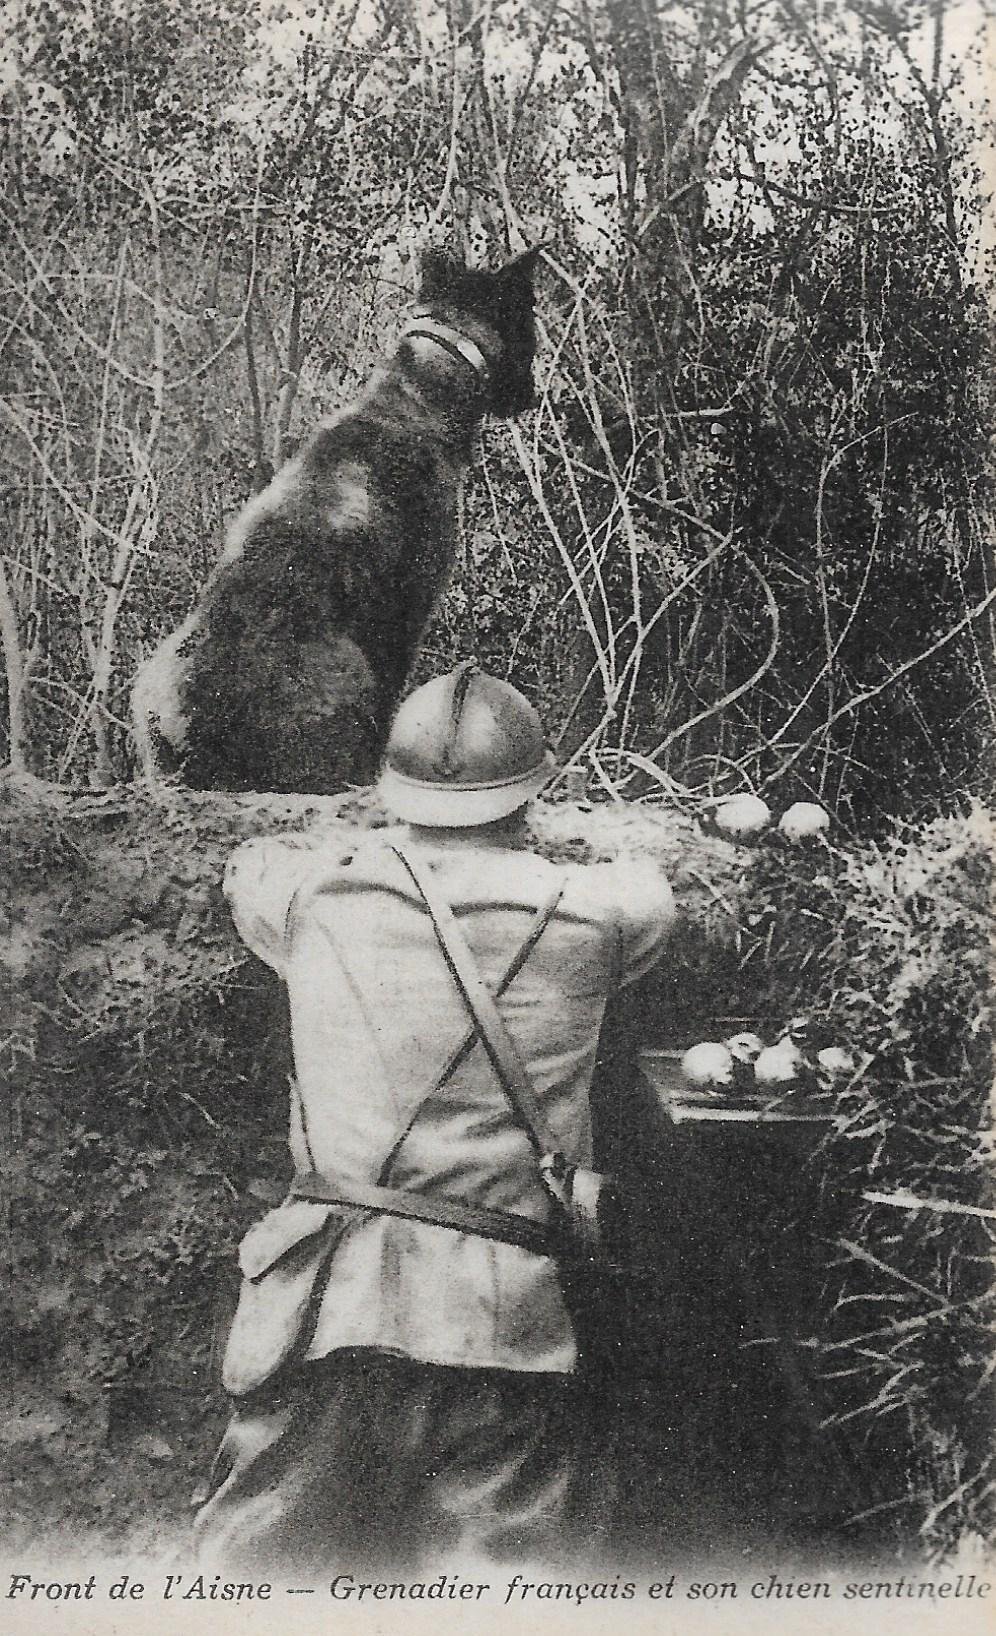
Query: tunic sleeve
[(260, 883), (645, 914)]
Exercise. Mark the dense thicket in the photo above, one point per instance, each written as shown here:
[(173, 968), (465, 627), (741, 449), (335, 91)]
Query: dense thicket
[(744, 535)]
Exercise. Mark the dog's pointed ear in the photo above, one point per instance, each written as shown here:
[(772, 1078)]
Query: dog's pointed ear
[(523, 265), (437, 273)]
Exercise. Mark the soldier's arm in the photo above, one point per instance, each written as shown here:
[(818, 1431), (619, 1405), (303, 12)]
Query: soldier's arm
[(645, 914), (261, 881)]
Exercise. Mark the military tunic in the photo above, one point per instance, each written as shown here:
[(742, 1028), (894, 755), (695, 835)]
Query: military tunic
[(375, 1016)]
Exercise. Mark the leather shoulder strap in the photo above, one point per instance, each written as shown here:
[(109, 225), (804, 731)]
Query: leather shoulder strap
[(540, 921), (502, 1050)]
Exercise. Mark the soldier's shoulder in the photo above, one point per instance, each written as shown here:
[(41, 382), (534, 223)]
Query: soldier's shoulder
[(625, 888)]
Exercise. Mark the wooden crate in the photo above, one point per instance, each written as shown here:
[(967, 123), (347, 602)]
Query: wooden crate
[(749, 1221)]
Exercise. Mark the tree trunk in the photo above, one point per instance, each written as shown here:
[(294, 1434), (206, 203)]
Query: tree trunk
[(17, 678)]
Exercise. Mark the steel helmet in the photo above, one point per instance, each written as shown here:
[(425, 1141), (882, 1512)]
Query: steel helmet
[(464, 749)]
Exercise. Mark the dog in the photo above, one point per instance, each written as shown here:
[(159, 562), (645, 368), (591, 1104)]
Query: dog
[(286, 674)]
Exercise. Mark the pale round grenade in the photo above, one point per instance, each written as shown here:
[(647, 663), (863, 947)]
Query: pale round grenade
[(742, 815), (745, 1047), (834, 1062), (803, 820), (708, 1066), (778, 1064)]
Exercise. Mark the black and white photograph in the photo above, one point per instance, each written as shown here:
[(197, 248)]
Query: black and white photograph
[(497, 814)]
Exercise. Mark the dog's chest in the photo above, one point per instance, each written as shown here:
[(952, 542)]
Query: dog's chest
[(406, 505)]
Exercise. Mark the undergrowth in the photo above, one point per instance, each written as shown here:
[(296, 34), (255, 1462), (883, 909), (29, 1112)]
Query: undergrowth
[(886, 949)]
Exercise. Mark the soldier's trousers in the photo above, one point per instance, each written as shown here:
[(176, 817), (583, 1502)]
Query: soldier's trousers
[(366, 1459)]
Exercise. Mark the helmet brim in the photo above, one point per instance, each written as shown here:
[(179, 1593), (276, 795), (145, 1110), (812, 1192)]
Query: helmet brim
[(460, 806)]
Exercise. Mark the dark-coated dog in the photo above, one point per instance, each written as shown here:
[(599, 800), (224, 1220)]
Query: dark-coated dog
[(286, 674)]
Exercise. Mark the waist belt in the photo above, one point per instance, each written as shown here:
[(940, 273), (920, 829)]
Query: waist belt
[(502, 1225)]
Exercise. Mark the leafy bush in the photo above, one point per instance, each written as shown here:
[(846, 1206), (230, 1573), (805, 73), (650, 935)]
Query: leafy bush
[(886, 948)]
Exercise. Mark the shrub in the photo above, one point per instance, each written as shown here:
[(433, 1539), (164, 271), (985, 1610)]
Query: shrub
[(886, 947)]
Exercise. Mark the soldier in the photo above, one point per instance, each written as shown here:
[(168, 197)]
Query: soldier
[(403, 1355)]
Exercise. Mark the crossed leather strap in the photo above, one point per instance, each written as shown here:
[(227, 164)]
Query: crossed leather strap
[(506, 1059)]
